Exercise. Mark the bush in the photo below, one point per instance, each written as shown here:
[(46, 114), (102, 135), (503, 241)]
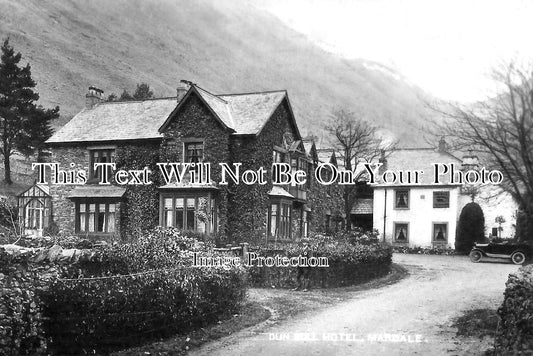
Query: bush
[(353, 257), (115, 296), (109, 313), (21, 319), (515, 332), (470, 229)]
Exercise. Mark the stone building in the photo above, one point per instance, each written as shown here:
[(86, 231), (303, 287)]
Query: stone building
[(253, 129)]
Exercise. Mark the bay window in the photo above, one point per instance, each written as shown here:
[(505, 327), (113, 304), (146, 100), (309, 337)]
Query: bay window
[(194, 212), (95, 217), (279, 219)]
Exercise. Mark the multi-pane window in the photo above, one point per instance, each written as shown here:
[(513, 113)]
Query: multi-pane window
[(440, 232), (100, 156), (195, 213), (402, 199), (34, 214), (274, 219), (95, 217), (305, 224), (401, 232), (441, 199), (279, 220), (194, 152), (278, 157)]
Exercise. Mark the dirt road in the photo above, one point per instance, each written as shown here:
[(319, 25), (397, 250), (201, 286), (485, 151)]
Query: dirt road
[(411, 317)]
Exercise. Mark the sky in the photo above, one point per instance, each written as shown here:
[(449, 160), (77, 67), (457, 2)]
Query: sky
[(447, 47)]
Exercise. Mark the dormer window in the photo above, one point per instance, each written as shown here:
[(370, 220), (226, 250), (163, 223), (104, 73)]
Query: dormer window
[(194, 152)]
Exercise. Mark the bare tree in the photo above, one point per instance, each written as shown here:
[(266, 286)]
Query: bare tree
[(500, 130), (355, 140)]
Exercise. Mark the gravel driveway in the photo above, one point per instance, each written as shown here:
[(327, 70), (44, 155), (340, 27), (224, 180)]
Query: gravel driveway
[(411, 317)]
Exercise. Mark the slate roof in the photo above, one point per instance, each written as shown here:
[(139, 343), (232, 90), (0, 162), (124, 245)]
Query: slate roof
[(363, 206), (278, 191), (244, 114), (131, 120), (420, 159), (97, 191)]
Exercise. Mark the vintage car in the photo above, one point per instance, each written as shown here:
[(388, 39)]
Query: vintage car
[(517, 252)]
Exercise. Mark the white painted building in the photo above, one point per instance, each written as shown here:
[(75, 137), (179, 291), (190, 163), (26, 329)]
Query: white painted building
[(426, 214)]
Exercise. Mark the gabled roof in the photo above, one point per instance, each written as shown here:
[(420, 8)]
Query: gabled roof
[(245, 114), (310, 148), (326, 155), (35, 190), (241, 114), (113, 121)]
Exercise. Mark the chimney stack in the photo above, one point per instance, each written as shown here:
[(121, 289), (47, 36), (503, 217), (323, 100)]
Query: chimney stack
[(183, 88), (93, 97)]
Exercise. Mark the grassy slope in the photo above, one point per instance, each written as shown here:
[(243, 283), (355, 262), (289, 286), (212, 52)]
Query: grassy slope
[(224, 46)]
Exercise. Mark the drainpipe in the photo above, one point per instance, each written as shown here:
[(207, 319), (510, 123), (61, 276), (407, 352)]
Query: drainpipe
[(385, 215)]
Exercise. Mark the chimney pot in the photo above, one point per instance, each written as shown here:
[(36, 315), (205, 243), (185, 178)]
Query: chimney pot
[(93, 97)]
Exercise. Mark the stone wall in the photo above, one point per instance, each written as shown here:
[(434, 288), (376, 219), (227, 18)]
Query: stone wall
[(250, 203), (515, 330), (63, 209)]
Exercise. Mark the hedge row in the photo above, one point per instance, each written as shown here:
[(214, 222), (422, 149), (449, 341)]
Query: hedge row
[(353, 258), (119, 296), (515, 331), (104, 314)]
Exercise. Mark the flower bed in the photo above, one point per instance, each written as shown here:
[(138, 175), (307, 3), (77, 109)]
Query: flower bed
[(515, 331), (424, 250)]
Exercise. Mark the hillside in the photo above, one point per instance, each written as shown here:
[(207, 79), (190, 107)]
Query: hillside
[(223, 46)]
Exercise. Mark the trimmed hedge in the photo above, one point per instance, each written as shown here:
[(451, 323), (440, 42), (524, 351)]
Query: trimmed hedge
[(515, 331), (116, 296), (354, 257), (104, 314)]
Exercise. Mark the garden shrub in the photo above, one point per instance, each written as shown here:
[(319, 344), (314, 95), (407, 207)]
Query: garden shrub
[(470, 228), (515, 331), (113, 295), (353, 257), (21, 319), (109, 313)]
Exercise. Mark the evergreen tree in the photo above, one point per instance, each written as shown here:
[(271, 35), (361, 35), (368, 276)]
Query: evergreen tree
[(143, 92), (23, 126), (470, 229), (125, 96)]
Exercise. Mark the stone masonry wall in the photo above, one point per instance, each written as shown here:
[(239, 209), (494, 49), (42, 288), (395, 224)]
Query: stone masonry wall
[(250, 204), (195, 120)]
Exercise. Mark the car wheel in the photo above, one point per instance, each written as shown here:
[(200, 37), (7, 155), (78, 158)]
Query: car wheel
[(518, 258), (476, 256)]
